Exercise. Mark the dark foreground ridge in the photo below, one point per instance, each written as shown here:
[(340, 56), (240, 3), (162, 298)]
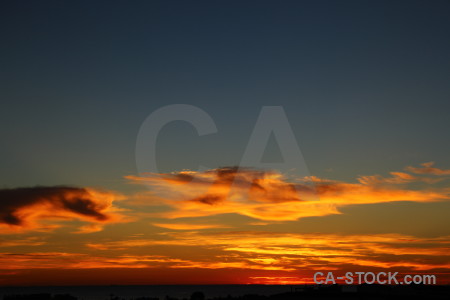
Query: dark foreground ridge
[(294, 293)]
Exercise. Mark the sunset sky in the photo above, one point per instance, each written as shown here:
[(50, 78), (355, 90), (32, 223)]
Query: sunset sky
[(364, 86)]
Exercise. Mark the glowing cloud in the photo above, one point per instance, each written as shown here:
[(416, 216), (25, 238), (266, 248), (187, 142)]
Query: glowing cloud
[(188, 226), (427, 168), (269, 196), (24, 209), (291, 251)]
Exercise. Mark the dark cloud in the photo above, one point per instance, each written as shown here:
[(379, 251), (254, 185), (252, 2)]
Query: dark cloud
[(209, 199), (25, 206)]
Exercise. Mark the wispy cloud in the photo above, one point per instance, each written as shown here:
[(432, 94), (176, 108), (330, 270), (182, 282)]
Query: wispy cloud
[(265, 251), (91, 228), (270, 196), (17, 242), (188, 226), (65, 260), (427, 168), (291, 251)]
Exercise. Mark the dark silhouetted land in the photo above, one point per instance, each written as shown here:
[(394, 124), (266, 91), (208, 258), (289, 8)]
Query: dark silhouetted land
[(235, 292)]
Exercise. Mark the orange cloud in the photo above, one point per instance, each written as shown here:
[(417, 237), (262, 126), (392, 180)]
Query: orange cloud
[(397, 178), (29, 241), (271, 257), (296, 252), (188, 226), (89, 228), (63, 260), (269, 196), (31, 208), (427, 168)]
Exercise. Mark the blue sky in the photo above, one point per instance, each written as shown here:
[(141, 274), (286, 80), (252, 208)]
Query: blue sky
[(364, 84)]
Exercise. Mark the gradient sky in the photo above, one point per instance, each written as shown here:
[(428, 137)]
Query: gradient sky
[(365, 86)]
